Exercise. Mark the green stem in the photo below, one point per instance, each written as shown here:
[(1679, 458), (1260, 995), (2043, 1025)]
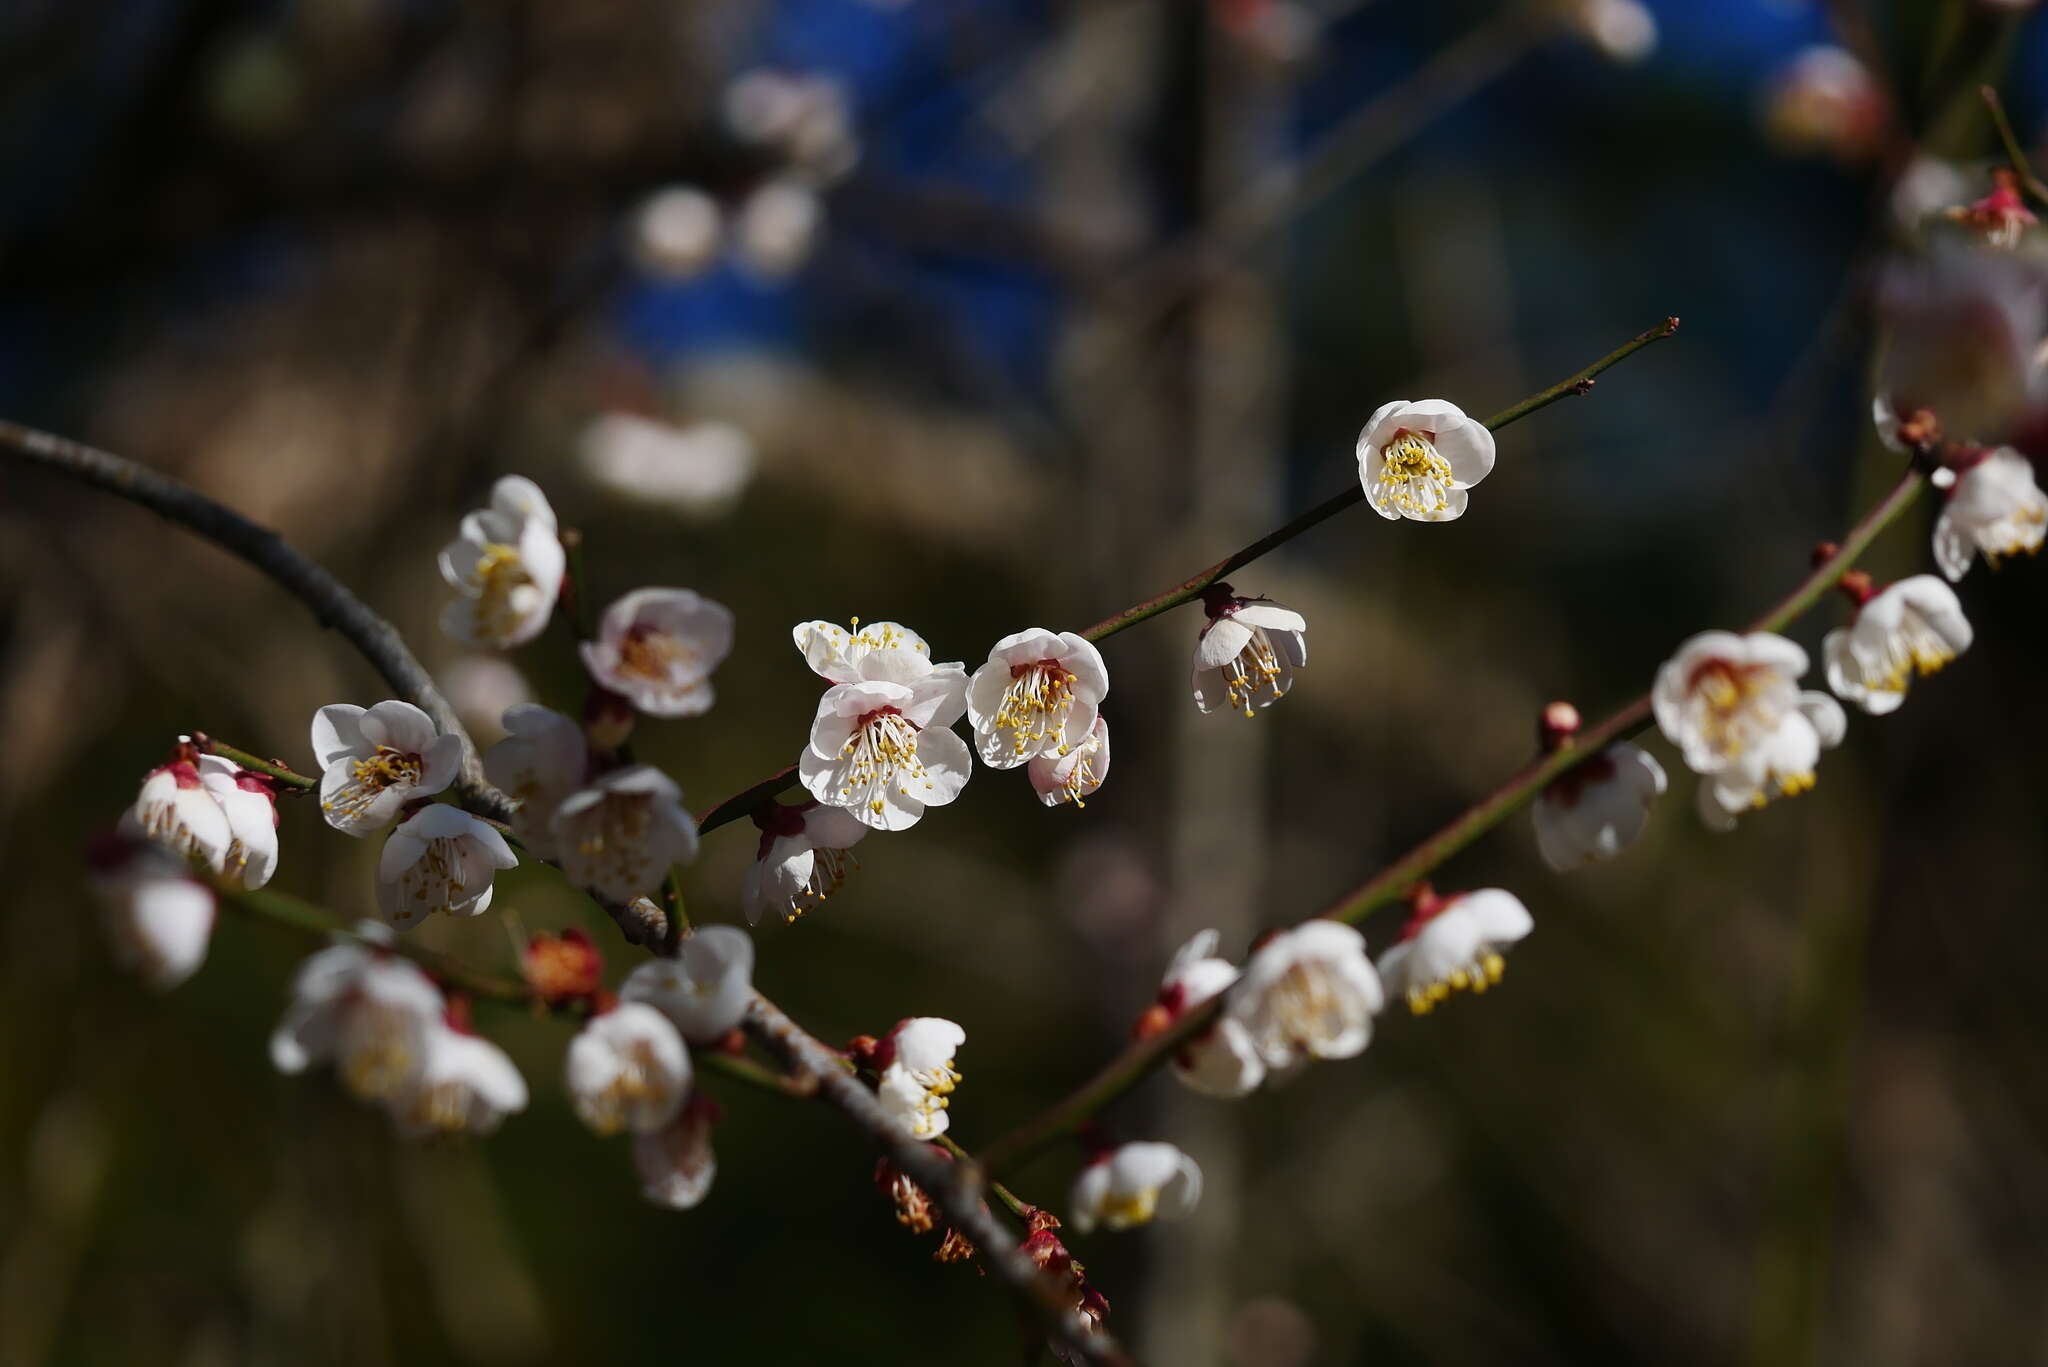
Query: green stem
[(678, 919), (1021, 1209), (1392, 883), (273, 768), (2014, 153)]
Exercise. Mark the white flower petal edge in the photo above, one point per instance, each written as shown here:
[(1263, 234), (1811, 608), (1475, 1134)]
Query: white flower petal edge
[(1597, 810), (1309, 992), (159, 919), (439, 859), (705, 988), (882, 751), (375, 760), (1916, 626), (918, 1074), (508, 565), (676, 1163), (1458, 947), (628, 1070), (618, 836), (1221, 1061), (657, 648), (835, 653), (1037, 696), (1995, 508), (1417, 459), (804, 858), (1133, 1185)]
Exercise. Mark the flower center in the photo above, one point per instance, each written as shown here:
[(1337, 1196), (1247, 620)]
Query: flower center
[(1735, 704), (1035, 706), (1307, 1008), (648, 653), (616, 830), (1413, 479), (882, 747), (1252, 671), (381, 1057), (1134, 1208), (383, 769), (503, 574)]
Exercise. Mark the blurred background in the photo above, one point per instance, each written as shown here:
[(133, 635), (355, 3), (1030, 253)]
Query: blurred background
[(977, 314)]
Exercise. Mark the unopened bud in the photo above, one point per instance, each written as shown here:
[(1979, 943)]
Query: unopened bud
[(1556, 724), (562, 968)]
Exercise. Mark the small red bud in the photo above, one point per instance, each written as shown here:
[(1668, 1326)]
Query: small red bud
[(1824, 552), (1154, 1020), (1556, 724)]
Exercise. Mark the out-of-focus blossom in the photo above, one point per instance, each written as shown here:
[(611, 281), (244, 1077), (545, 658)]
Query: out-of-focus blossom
[(375, 760), (159, 919), (1037, 695), (676, 1163), (1781, 764), (1284, 33), (802, 118), (369, 1011), (628, 1070), (777, 227), (916, 1073), (1247, 653), (439, 859), (880, 746), (1622, 30), (2002, 217), (618, 836), (705, 988), (562, 968), (1076, 774), (508, 565), (1913, 627), (804, 858), (1827, 101), (176, 810), (1417, 459), (1135, 1184), (1596, 810), (1723, 696), (465, 1085), (1454, 944), (540, 762), (675, 233), (1964, 331), (1994, 509), (482, 689), (657, 647), (1309, 992), (1929, 185), (1222, 1060), (699, 470)]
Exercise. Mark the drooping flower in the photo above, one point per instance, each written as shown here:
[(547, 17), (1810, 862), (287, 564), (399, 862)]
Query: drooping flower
[(249, 802), (1247, 653), (176, 810), (1221, 1061), (1994, 508), (676, 1163), (373, 761), (705, 988), (1037, 696), (619, 836), (1076, 774), (1596, 810), (465, 1085), (439, 859), (1781, 765), (508, 565), (804, 858), (916, 1073), (628, 1070), (1913, 627), (539, 763), (368, 1010), (1134, 1184), (1454, 944), (159, 919), (1309, 992), (1417, 459), (1723, 696), (880, 747), (657, 647)]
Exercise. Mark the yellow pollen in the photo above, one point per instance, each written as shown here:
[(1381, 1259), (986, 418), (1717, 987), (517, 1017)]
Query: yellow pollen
[(502, 573), (1413, 479), (1035, 706), (1482, 972), (656, 655), (1121, 1212), (1252, 671)]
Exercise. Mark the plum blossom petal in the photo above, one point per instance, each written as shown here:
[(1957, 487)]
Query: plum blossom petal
[(465, 1085), (628, 1070), (676, 1163), (540, 762), (1914, 627), (804, 858), (1597, 809), (619, 836), (375, 761), (1221, 1061), (1247, 653), (1722, 696), (439, 859), (918, 1074), (657, 647), (1309, 992), (508, 565), (249, 803), (1075, 775), (177, 811), (1135, 1184), (1036, 697), (368, 1011), (1781, 765), (1417, 459), (1995, 509), (1454, 944), (159, 919), (705, 988)]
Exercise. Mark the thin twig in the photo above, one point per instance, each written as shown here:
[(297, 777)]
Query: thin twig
[(2014, 153), (284, 909)]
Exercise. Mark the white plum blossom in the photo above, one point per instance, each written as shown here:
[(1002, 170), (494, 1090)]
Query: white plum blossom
[(1309, 992), (439, 859), (1247, 653), (1417, 459), (776, 228), (1135, 1184), (1722, 696), (657, 647), (1596, 810), (1038, 695), (369, 1011), (465, 1085), (373, 761), (539, 763), (1781, 765), (177, 811), (698, 471), (804, 858), (1623, 30), (1913, 627), (880, 747), (1994, 508), (628, 1070), (676, 1163), (1221, 1061), (508, 565), (1076, 774), (917, 1073), (705, 988), (248, 802), (675, 232), (618, 836), (1454, 944), (159, 919)]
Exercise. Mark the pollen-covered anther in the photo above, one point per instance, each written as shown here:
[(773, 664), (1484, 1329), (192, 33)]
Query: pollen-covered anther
[(1036, 705), (1413, 480)]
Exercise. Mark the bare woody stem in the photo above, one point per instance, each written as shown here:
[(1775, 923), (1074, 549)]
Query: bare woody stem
[(952, 1185), (1393, 882), (2014, 153), (741, 803)]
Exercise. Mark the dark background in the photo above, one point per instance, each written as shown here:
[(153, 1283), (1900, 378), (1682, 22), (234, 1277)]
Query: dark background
[(1772, 1097)]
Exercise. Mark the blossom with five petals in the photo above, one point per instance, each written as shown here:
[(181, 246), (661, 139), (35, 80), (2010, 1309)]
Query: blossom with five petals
[(1037, 696), (464, 1085), (439, 859), (657, 647), (1309, 992), (1994, 509), (705, 988), (540, 762), (1417, 459), (375, 760), (1454, 944), (880, 746), (618, 836), (370, 1011), (917, 1075), (1915, 626), (628, 1070)]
